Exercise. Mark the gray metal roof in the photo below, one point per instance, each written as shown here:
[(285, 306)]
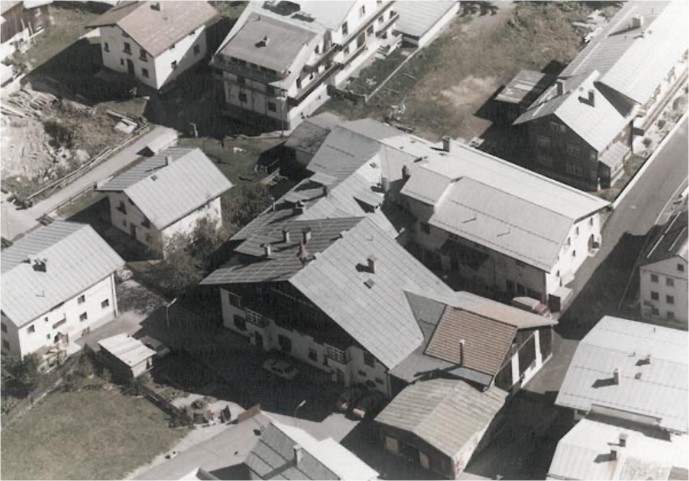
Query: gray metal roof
[(657, 388), (525, 87), (156, 30), (75, 257), (417, 18), (127, 349), (584, 453), (273, 457), (167, 191), (445, 413), (670, 242), (614, 156), (310, 134)]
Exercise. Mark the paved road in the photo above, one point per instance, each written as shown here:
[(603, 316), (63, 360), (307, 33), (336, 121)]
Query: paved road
[(16, 222)]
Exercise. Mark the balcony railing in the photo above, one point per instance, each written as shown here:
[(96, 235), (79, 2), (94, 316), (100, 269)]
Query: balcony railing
[(387, 24), (255, 318), (317, 82), (222, 63), (337, 355)]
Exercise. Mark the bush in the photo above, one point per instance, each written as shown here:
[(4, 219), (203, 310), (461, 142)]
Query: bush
[(62, 134)]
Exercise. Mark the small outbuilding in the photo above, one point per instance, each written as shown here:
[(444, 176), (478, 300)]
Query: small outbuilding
[(127, 357)]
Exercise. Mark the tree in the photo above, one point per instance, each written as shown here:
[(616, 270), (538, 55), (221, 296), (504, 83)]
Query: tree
[(182, 269), (243, 203)]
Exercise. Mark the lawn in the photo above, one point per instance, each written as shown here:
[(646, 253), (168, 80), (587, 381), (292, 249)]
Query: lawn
[(93, 434)]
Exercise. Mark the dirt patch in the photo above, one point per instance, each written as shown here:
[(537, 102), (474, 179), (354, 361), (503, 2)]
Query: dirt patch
[(466, 92)]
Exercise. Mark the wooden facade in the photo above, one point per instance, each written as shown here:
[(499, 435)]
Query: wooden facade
[(24, 22)]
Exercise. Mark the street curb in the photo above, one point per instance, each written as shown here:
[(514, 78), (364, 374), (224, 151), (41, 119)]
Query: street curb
[(643, 168)]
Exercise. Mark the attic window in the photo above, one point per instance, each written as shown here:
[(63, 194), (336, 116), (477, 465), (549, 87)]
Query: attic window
[(369, 283)]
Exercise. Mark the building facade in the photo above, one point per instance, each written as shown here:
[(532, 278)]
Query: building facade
[(20, 24)]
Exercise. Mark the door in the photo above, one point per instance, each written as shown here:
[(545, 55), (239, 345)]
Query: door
[(259, 341), (130, 67)]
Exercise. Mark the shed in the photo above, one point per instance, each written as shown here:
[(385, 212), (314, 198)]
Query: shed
[(128, 357), (421, 22)]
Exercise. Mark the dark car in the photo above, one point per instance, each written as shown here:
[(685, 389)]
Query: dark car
[(369, 405), (349, 397)]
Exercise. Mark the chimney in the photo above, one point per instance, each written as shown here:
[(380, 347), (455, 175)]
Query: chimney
[(405, 172), (560, 87), (385, 184), (592, 98), (637, 21), (267, 248), (326, 191), (303, 254), (461, 352), (39, 265), (616, 376), (285, 236), (306, 235), (168, 160), (156, 6), (446, 143), (372, 265), (298, 454), (648, 359), (613, 454), (265, 40), (623, 440)]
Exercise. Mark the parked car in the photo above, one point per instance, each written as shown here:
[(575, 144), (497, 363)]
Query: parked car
[(349, 397), (280, 368), (369, 405), (532, 305)]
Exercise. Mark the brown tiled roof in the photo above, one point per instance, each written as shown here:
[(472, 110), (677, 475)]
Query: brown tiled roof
[(156, 30), (486, 341)]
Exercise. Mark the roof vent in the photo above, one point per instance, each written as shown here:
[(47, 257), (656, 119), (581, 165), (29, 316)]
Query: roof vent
[(154, 178), (560, 87), (326, 191), (267, 249), (156, 6), (372, 264), (446, 143), (298, 454), (298, 208), (616, 376), (461, 352), (263, 42), (39, 265), (306, 235), (613, 454), (385, 184), (369, 283), (285, 236), (637, 21)]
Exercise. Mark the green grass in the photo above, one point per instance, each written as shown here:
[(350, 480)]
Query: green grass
[(85, 435), (378, 71)]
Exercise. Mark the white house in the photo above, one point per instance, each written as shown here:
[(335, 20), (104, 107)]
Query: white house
[(663, 274), (165, 195), (57, 284), (280, 56), (154, 42)]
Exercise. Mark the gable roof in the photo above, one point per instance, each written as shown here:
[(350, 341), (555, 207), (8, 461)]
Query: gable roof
[(657, 388), (273, 457), (156, 30), (170, 185), (584, 453), (310, 134), (670, 242), (445, 413), (75, 257)]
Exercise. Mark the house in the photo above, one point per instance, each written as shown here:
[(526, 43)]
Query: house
[(20, 21), (632, 372), (475, 339), (582, 129), (307, 138), (596, 449), (57, 284), (154, 41), (328, 292), (421, 22), (126, 357), (663, 274), (166, 195), (440, 423), (287, 452), (198, 473), (280, 56)]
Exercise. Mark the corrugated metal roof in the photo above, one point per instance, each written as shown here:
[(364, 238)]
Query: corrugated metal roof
[(166, 192), (156, 30), (310, 134), (584, 453), (657, 388), (443, 412), (614, 156), (127, 349), (273, 457), (417, 18), (525, 87), (75, 257)]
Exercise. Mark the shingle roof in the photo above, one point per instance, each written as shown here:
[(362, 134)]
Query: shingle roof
[(75, 257), (445, 413), (156, 30), (584, 453), (273, 457), (657, 388), (166, 193), (127, 349)]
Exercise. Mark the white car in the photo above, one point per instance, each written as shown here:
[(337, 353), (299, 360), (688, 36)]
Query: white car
[(280, 368)]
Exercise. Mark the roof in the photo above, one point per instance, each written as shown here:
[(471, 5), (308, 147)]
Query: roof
[(127, 349), (418, 18), (336, 279), (525, 87), (445, 413), (198, 473), (614, 155), (273, 457), (584, 453), (7, 5), (655, 386), (156, 29), (310, 134), (75, 258), (671, 240), (166, 193)]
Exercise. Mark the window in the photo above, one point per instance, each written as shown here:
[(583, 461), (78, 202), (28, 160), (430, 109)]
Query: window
[(272, 107), (124, 34), (379, 380), (569, 242), (124, 222), (5, 344), (362, 373), (83, 316), (392, 13), (345, 29), (591, 221), (680, 267), (127, 48), (425, 228), (106, 47), (362, 11), (45, 318), (669, 282), (234, 299), (242, 97), (573, 168), (576, 231), (346, 50), (654, 311), (121, 61), (122, 208), (369, 30), (299, 83), (670, 315), (240, 323), (369, 360), (142, 55), (197, 49), (144, 72), (553, 126), (105, 304), (574, 254), (544, 159), (380, 19), (270, 90), (654, 278), (654, 296), (173, 65), (318, 49), (572, 149), (670, 299), (285, 343), (4, 328), (544, 141), (31, 329), (313, 355), (81, 299), (241, 80)]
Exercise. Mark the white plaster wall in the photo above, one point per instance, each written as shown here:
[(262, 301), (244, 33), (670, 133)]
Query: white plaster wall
[(183, 53), (664, 270)]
